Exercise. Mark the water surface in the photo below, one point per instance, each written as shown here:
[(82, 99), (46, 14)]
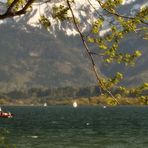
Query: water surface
[(81, 127)]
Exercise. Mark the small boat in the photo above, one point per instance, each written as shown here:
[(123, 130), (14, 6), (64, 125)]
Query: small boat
[(75, 104), (45, 104), (104, 106), (5, 114)]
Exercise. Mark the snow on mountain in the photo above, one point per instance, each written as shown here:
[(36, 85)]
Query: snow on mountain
[(80, 9), (83, 11), (126, 2)]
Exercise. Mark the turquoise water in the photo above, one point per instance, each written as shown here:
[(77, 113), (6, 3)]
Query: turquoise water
[(82, 127)]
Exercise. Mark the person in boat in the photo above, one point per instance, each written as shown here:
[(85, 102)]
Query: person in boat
[(1, 112)]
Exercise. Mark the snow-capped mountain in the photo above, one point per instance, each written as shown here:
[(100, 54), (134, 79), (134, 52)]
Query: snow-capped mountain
[(32, 57), (83, 11)]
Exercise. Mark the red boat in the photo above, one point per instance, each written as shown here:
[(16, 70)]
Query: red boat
[(6, 115)]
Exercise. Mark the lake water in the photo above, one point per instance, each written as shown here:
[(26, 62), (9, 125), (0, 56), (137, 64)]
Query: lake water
[(81, 127)]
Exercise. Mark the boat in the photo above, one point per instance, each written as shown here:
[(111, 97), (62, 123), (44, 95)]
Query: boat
[(104, 106), (45, 104), (75, 104), (5, 114)]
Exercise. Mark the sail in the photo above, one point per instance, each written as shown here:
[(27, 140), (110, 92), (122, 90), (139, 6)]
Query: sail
[(75, 104), (45, 104)]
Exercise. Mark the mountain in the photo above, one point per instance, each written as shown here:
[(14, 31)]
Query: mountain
[(35, 58), (32, 57), (38, 59)]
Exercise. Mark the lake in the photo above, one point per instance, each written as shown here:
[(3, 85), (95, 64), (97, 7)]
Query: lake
[(81, 127)]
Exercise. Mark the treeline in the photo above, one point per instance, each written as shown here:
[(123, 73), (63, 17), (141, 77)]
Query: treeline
[(65, 96), (52, 93)]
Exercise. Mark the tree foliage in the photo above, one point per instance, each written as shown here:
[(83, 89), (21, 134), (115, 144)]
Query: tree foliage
[(108, 44)]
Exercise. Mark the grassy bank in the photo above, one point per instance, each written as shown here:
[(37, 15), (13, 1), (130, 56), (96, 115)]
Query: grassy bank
[(98, 100)]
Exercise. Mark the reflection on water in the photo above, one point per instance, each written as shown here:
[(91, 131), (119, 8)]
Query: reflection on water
[(83, 127)]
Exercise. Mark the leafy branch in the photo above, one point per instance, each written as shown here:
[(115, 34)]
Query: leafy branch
[(13, 10), (100, 83)]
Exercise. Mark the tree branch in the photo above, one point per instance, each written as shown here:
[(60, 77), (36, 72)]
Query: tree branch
[(119, 15), (101, 85), (100, 15), (11, 6), (9, 12)]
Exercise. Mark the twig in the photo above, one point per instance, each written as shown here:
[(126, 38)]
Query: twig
[(9, 12), (100, 15), (119, 15)]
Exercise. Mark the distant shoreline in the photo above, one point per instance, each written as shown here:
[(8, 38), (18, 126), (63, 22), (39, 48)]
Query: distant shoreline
[(91, 101)]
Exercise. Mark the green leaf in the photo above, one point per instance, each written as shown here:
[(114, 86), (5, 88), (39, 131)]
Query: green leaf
[(137, 53)]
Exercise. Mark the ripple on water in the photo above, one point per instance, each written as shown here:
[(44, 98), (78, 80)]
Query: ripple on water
[(85, 127)]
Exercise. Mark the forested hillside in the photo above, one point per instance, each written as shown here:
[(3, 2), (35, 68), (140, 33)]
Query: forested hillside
[(32, 57)]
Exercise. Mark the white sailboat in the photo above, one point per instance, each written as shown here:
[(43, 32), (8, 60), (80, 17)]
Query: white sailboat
[(45, 104), (104, 106), (75, 104)]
